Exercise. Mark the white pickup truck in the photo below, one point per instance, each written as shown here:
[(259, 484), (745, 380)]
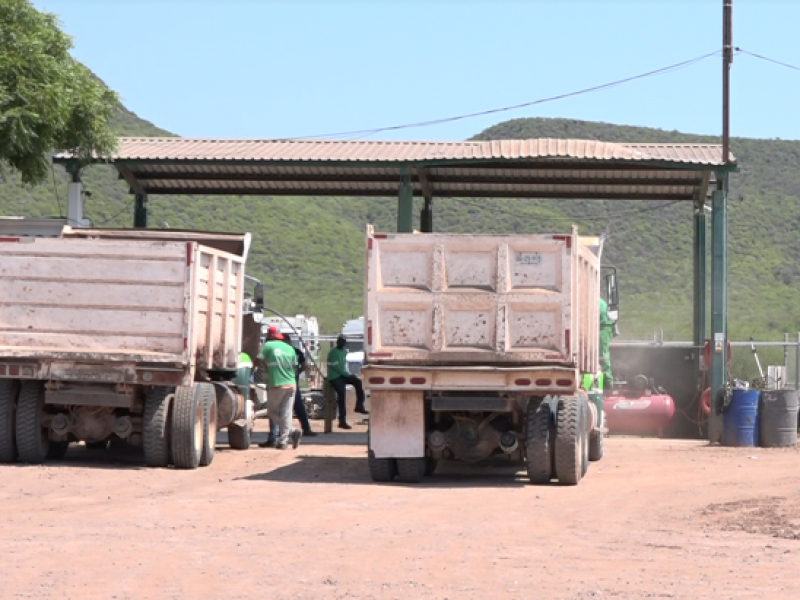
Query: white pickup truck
[(123, 335), (475, 348)]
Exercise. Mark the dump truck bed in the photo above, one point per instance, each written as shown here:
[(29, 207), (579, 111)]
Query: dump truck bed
[(93, 301), (464, 299)]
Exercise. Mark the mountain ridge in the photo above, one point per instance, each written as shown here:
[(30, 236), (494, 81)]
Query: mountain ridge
[(310, 253)]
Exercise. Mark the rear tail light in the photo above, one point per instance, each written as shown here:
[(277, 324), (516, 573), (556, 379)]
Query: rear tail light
[(564, 382), (376, 380), (369, 334), (418, 380), (544, 382), (522, 382), (397, 380)]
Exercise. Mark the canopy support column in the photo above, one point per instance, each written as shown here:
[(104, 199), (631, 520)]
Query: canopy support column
[(426, 215), (140, 212), (405, 205), (700, 258), (719, 301), (75, 200)]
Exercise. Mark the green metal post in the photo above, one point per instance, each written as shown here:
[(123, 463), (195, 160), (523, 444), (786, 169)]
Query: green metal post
[(719, 301), (700, 282), (405, 206), (426, 217), (140, 212)]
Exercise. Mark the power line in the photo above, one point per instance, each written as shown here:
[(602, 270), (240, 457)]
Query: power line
[(367, 132), (766, 58)]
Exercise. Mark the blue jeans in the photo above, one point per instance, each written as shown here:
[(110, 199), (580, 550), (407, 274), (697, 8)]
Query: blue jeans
[(340, 386)]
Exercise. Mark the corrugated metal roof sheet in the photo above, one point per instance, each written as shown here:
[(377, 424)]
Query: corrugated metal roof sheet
[(168, 148)]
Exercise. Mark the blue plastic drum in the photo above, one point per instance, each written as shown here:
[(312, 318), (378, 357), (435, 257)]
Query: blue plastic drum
[(740, 420)]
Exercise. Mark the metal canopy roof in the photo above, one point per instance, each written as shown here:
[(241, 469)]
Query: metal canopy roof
[(537, 168)]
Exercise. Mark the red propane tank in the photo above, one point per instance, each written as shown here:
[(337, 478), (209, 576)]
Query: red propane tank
[(638, 415)]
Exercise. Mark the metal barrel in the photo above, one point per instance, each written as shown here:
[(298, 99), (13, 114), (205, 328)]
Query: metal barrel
[(740, 420), (779, 418)]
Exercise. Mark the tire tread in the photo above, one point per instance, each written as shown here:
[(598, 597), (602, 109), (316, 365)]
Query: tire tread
[(569, 451), (157, 427), (538, 442)]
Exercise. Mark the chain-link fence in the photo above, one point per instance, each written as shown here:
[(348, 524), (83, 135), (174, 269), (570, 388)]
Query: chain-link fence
[(762, 364), (777, 362)]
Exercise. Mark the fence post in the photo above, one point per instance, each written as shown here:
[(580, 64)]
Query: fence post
[(797, 363), (786, 352)]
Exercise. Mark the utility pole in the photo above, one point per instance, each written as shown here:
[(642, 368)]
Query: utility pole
[(727, 59), (719, 240)]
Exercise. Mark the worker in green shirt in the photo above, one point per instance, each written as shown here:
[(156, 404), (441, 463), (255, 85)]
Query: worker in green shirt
[(281, 361), (339, 377), (606, 333)]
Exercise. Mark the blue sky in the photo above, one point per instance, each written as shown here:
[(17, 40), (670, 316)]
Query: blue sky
[(264, 69)]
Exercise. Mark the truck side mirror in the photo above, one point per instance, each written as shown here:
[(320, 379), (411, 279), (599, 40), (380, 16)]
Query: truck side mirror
[(613, 292), (258, 296)]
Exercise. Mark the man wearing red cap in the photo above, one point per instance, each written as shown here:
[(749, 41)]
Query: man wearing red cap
[(281, 361)]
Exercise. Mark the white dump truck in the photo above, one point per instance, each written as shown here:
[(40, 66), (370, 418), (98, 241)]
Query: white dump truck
[(124, 335), (477, 348)]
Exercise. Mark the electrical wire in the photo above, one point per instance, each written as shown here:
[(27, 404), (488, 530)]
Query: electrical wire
[(766, 58), (596, 88)]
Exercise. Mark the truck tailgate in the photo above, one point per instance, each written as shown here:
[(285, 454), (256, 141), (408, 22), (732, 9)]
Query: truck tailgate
[(479, 299), (93, 300)]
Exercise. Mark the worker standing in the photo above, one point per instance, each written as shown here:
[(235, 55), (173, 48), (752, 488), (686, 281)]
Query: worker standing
[(339, 377), (281, 361), (606, 333), (299, 405)]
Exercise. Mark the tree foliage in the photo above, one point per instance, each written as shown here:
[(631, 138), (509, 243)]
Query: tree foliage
[(48, 100)]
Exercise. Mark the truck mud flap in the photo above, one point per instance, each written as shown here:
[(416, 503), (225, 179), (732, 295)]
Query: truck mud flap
[(397, 424)]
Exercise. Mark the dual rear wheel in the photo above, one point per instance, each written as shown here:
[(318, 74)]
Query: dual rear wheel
[(180, 427), (558, 441)]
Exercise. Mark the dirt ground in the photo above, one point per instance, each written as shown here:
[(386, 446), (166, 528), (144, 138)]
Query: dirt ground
[(654, 519)]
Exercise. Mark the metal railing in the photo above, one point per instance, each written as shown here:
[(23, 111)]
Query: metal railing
[(778, 360)]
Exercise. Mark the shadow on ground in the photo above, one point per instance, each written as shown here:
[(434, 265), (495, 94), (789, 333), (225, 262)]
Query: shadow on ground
[(350, 471)]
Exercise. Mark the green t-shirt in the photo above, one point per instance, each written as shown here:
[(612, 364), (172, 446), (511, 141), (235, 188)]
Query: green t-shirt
[(281, 362), (604, 319), (337, 364)]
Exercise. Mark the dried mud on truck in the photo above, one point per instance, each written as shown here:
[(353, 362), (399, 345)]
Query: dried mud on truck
[(123, 336), (483, 346)]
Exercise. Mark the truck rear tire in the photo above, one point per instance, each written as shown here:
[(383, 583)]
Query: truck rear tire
[(238, 437), (596, 441), (596, 446), (187, 427), (585, 433), (538, 442), (32, 442), (410, 470), (209, 399), (382, 470), (157, 426), (569, 440), (9, 392)]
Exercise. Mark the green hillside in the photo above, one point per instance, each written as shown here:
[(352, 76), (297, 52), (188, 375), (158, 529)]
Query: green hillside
[(310, 250)]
